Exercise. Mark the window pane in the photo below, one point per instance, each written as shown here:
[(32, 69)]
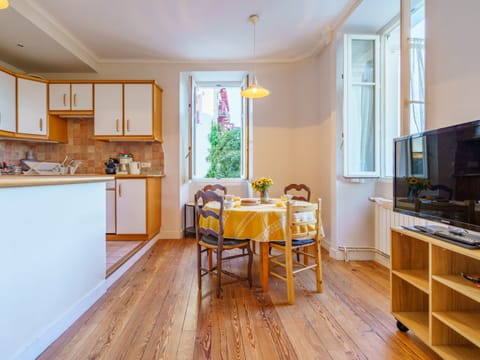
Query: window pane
[(363, 57), (218, 132), (362, 124), (417, 118)]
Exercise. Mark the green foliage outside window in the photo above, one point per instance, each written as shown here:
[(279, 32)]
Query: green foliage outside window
[(224, 154)]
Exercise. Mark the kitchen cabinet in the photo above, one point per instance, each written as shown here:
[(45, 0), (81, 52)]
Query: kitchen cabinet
[(111, 216), (131, 206), (137, 205), (7, 102), (32, 107), (70, 98), (128, 111)]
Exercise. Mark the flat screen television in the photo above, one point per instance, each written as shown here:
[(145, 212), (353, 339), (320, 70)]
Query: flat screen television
[(437, 175)]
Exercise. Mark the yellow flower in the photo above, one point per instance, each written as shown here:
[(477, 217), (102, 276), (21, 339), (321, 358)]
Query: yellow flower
[(262, 183)]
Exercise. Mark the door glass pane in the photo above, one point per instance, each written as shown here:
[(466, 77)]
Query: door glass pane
[(362, 123), (363, 57)]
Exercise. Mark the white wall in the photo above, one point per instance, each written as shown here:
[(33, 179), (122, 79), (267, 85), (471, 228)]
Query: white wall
[(452, 62), (53, 262)]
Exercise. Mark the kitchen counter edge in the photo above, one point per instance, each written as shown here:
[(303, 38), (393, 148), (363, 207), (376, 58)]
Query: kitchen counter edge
[(7, 181), (140, 176)]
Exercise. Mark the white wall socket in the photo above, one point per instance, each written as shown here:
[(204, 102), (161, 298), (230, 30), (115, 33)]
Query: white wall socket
[(146, 164)]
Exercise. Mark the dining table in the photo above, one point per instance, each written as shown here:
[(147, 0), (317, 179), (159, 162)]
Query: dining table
[(261, 223)]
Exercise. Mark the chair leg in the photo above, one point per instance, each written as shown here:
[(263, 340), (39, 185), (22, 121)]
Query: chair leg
[(250, 262), (290, 284), (210, 259), (199, 266), (219, 272), (318, 269), (306, 250)]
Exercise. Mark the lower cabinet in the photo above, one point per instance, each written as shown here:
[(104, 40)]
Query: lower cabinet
[(137, 209), (430, 295)]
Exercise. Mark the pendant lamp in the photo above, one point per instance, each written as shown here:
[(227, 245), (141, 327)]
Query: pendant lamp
[(255, 90), (3, 4)]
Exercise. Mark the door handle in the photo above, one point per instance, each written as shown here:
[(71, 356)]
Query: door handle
[(41, 124), (74, 99), (119, 190), (64, 99), (117, 123), (128, 125)]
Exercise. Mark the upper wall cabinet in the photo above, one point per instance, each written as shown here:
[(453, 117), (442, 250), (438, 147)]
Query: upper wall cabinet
[(7, 102), (70, 99), (126, 111), (32, 107)]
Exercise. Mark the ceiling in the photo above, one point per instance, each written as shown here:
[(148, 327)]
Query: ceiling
[(76, 36)]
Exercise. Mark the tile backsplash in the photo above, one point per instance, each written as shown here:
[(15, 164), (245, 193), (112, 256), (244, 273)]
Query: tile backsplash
[(81, 146)]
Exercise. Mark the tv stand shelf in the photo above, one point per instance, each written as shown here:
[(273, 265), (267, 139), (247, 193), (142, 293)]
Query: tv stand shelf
[(430, 297)]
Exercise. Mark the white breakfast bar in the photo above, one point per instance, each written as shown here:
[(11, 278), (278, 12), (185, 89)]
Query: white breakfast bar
[(52, 266)]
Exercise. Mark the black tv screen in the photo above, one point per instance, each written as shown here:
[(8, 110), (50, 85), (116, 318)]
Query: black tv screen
[(437, 175)]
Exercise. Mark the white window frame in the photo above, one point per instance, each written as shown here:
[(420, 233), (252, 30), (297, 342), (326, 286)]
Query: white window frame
[(245, 135), (348, 132)]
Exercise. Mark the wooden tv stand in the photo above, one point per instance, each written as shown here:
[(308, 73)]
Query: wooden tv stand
[(431, 298)]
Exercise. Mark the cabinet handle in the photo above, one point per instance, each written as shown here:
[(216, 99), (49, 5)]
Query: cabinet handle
[(64, 99), (117, 123), (74, 99), (41, 124), (128, 125), (119, 190)]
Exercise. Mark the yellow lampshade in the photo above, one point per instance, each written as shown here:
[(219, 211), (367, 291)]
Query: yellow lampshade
[(255, 91), (3, 4)]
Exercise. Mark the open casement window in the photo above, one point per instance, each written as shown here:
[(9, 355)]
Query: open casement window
[(218, 133), (361, 127), (413, 66)]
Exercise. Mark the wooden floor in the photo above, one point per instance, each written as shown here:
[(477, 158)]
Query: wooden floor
[(155, 312)]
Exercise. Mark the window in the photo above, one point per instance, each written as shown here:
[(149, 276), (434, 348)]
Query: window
[(361, 106), (373, 96), (416, 42), (218, 130)]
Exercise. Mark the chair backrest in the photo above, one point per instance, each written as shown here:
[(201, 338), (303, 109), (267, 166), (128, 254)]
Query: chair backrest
[(304, 221), (218, 188), (209, 215), (298, 188)]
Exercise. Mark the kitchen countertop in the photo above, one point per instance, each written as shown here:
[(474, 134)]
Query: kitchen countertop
[(7, 181)]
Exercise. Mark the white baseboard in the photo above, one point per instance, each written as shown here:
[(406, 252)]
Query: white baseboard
[(360, 254)]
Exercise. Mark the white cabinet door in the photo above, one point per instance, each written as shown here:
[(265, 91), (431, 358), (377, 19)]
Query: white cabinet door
[(108, 109), (7, 102), (82, 97), (131, 206), (111, 228), (59, 96), (32, 107), (138, 109)]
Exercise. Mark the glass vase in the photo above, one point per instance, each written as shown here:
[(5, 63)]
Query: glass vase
[(264, 196)]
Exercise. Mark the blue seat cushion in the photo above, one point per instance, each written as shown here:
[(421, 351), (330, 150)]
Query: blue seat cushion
[(212, 240), (296, 242)]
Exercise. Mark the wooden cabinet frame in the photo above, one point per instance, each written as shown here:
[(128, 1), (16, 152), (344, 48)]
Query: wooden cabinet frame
[(430, 297)]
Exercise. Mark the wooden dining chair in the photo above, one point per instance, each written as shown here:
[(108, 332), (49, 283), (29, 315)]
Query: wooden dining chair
[(300, 191), (209, 236), (304, 231), (218, 188)]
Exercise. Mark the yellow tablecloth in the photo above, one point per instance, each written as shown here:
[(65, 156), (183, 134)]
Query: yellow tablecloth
[(261, 223)]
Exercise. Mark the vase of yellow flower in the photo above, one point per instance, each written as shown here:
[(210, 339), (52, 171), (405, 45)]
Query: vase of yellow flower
[(262, 185), (415, 186)]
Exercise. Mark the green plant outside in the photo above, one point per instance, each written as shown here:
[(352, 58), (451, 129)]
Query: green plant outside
[(224, 154)]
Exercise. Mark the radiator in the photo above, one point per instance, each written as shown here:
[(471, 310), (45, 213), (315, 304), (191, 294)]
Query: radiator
[(385, 218)]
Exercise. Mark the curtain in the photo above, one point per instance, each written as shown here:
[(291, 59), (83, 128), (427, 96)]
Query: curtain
[(417, 85)]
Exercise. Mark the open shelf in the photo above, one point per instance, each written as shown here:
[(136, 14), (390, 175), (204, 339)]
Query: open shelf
[(415, 321), (457, 283), (418, 278), (463, 322), (457, 351)]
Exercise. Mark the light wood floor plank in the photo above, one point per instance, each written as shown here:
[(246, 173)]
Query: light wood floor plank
[(155, 311)]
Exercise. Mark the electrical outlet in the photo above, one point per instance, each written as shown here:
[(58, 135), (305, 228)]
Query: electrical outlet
[(146, 164)]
